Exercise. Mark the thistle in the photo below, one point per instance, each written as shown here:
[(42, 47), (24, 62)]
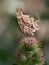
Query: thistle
[(29, 51)]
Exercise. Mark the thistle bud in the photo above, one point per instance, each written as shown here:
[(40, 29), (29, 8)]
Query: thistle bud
[(30, 52)]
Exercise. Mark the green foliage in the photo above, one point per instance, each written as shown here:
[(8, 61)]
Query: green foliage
[(9, 41)]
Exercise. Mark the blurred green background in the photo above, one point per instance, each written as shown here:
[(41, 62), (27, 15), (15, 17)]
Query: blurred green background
[(9, 30)]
